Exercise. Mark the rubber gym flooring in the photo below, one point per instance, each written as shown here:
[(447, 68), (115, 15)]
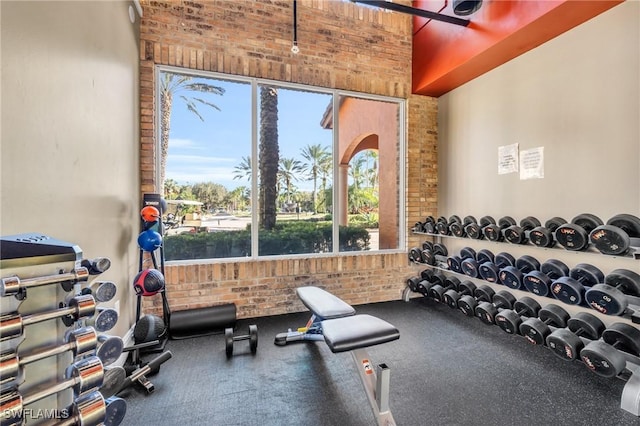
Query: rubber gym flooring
[(446, 369)]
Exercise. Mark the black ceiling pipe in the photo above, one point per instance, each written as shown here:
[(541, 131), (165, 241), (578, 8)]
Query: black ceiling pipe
[(413, 11), (466, 7)]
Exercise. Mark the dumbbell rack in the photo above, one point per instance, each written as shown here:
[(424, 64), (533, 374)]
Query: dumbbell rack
[(630, 398), (35, 258)]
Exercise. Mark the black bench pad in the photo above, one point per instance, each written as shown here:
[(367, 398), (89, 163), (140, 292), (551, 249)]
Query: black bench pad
[(324, 304), (358, 331)]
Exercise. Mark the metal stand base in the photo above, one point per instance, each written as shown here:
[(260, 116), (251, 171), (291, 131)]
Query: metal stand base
[(376, 386), (630, 400)]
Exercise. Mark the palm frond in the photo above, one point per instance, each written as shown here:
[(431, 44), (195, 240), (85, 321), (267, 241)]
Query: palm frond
[(205, 88)]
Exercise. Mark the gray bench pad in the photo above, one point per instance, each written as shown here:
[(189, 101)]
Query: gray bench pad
[(324, 304), (358, 331)]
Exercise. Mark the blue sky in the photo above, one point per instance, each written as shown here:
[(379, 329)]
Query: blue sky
[(209, 151)]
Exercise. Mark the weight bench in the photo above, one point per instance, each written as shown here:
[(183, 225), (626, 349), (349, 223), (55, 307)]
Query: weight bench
[(335, 321)]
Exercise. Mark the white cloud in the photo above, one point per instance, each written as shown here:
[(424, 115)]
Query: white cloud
[(181, 143)]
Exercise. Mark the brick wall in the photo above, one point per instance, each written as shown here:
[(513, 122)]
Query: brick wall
[(342, 45)]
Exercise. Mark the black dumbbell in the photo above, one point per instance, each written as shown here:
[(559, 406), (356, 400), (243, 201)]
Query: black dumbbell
[(458, 228), (429, 278), (425, 281), (493, 232), (442, 224), (618, 235), (509, 320), (429, 225), (474, 230), (575, 235), (542, 236), (610, 298), (513, 276), (469, 263), (230, 339), (412, 283), (437, 254), (455, 262), (490, 271), (519, 234), (566, 342), (468, 303), (487, 311), (451, 297), (539, 282), (437, 291), (571, 289), (536, 329), (606, 357), (487, 268)]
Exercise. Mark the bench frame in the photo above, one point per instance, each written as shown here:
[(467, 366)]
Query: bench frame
[(374, 380)]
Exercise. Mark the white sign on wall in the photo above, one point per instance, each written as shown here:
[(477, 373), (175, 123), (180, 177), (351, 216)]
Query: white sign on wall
[(508, 159), (532, 163)]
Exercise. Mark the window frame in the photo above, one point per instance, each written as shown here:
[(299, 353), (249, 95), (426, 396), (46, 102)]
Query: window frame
[(336, 95)]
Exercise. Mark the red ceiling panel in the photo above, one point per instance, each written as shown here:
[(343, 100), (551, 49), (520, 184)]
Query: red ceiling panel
[(446, 56)]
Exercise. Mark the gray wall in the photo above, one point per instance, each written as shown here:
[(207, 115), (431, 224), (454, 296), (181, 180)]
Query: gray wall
[(70, 130), (578, 96)]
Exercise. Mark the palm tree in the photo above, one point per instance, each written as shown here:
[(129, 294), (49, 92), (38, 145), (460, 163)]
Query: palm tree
[(171, 189), (356, 171), (243, 170), (315, 155), (289, 168), (371, 170), (269, 156), (325, 168), (172, 84)]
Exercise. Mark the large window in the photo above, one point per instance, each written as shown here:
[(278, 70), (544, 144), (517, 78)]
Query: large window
[(251, 167)]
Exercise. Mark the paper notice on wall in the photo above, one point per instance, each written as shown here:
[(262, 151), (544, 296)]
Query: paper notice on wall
[(532, 163), (508, 159)]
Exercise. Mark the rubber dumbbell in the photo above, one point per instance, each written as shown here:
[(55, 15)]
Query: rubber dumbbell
[(490, 271), (487, 311), (571, 290), (412, 283), (566, 342), (458, 228), (442, 224), (429, 278), (425, 281), (474, 230), (606, 357), (230, 339), (437, 291), (487, 269), (436, 255), (429, 225), (509, 320), (468, 303), (542, 236), (617, 236), (469, 263), (455, 262), (536, 329), (575, 235), (416, 254), (519, 234), (493, 232), (513, 276), (611, 298), (451, 296), (539, 282)]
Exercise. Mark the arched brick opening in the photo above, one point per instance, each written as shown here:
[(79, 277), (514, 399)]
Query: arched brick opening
[(368, 124)]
